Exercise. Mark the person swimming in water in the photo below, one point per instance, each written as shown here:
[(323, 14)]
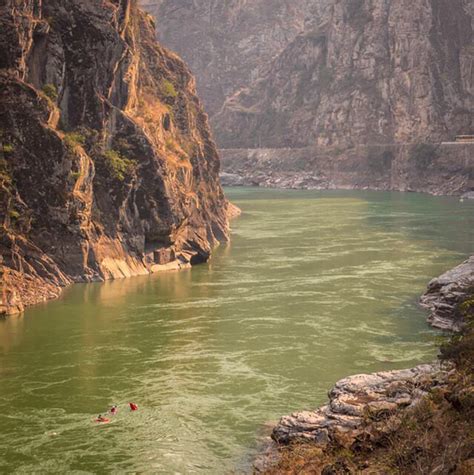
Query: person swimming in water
[(102, 419), (133, 406), (113, 410)]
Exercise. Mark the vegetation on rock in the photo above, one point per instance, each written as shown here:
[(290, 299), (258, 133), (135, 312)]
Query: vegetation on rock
[(167, 88), (74, 139), (119, 166), (50, 91)]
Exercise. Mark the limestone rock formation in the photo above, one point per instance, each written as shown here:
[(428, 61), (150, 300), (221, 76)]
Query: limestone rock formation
[(356, 398), (446, 292), (107, 165)]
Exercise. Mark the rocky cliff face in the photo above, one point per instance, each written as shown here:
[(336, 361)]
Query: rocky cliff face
[(229, 44), (348, 76), (371, 72), (107, 165)]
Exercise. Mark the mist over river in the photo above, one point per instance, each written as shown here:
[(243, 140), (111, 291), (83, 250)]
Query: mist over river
[(314, 286)]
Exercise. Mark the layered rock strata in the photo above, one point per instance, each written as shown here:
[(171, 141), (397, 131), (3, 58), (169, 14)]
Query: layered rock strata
[(355, 400), (107, 167)]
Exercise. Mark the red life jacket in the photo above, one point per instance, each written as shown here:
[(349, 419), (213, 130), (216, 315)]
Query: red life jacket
[(133, 406)]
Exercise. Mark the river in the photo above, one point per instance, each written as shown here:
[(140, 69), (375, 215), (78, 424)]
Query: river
[(315, 286)]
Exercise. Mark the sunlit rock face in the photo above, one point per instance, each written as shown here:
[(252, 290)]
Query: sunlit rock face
[(107, 168)]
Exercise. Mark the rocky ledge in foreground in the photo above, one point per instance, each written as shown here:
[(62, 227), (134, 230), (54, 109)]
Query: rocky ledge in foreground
[(355, 399), (366, 410), (446, 292)]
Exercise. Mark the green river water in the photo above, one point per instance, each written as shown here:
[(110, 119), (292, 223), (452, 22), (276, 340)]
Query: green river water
[(314, 286)]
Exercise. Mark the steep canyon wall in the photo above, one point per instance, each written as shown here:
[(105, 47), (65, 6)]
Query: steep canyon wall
[(351, 74), (107, 167)]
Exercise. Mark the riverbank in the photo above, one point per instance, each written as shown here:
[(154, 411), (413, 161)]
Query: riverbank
[(20, 290), (406, 421), (437, 169)]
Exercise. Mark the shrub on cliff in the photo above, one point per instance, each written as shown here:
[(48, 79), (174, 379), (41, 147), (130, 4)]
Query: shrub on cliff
[(460, 347), (119, 166), (167, 89), (5, 176), (50, 91), (74, 139), (379, 161), (423, 155)]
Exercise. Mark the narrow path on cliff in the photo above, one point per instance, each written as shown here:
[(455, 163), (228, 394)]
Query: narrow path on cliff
[(314, 286)]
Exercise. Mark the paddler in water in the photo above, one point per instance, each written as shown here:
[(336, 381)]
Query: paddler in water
[(113, 410), (133, 406), (102, 419)]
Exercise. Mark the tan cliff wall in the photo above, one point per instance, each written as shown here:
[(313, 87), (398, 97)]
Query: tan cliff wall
[(351, 74), (107, 168)]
